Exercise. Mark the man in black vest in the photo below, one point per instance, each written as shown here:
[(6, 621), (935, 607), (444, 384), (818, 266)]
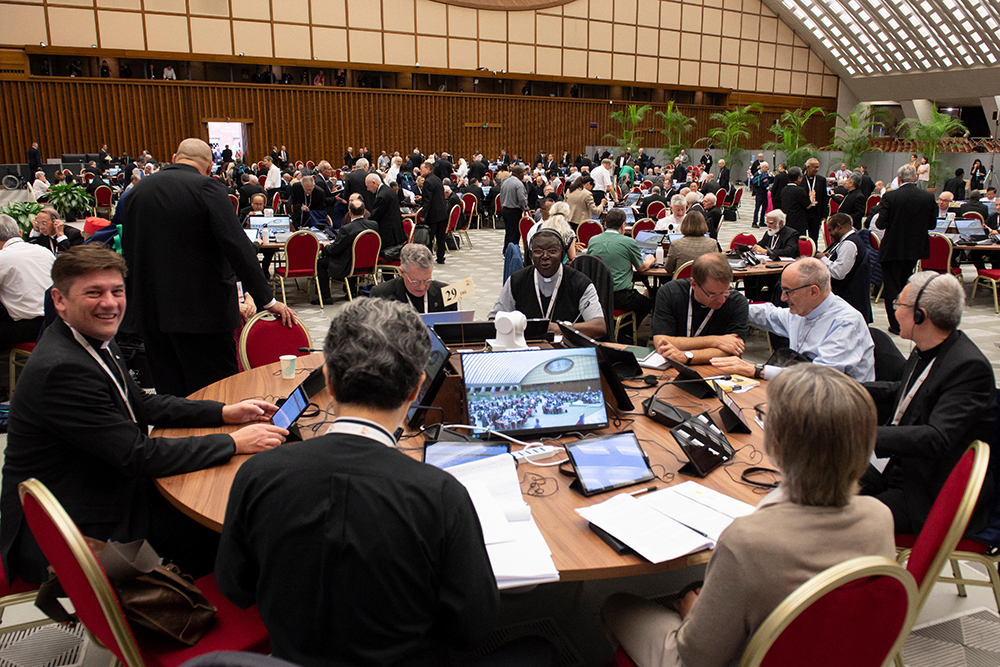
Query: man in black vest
[(795, 202), (847, 259), (815, 185), (551, 290)]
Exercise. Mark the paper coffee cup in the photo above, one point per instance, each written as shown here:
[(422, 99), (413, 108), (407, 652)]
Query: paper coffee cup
[(268, 212), (287, 366)]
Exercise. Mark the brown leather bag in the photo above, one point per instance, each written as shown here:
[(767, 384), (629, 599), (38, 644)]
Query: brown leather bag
[(157, 597)]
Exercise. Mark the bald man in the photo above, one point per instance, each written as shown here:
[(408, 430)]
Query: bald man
[(185, 252)]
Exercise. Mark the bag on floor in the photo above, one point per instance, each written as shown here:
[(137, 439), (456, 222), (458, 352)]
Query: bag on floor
[(157, 597), (422, 235)]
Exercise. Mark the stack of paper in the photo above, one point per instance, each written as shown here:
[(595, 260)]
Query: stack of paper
[(654, 361), (667, 524), (518, 552)]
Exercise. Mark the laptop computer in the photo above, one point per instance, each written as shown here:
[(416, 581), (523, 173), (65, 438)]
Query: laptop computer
[(486, 190), (623, 362), (631, 199), (430, 319), (648, 242), (970, 230), (278, 224)]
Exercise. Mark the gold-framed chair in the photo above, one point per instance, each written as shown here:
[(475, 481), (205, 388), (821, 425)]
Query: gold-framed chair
[(364, 259), (19, 353), (301, 255), (264, 339), (683, 271)]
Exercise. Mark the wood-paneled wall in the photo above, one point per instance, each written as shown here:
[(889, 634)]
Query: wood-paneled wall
[(75, 116)]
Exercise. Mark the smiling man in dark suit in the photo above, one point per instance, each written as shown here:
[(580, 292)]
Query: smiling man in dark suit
[(79, 424)]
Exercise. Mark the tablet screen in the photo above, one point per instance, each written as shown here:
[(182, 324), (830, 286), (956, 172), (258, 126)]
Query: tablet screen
[(291, 409), (609, 462), (447, 454)]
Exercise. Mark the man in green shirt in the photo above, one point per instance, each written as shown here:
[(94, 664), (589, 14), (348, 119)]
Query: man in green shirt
[(626, 174), (621, 255)]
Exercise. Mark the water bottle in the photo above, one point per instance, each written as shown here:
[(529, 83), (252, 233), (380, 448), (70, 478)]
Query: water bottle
[(659, 255)]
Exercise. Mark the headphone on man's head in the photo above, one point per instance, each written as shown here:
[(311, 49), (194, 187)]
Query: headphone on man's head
[(918, 315), (551, 232)]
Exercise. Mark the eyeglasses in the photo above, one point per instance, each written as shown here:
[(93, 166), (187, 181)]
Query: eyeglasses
[(418, 283), (786, 291), (896, 305), (545, 252), (713, 295), (760, 411)]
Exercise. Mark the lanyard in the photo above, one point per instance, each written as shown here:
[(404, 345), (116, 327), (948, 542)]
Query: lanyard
[(552, 299), (362, 427), (812, 184), (774, 240), (425, 303), (120, 387), (691, 312), (904, 402)]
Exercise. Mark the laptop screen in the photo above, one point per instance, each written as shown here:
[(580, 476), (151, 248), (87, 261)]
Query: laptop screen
[(430, 319), (276, 224)]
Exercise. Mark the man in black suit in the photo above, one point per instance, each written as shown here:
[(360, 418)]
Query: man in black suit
[(473, 188), (306, 197), (185, 251), (34, 158), (655, 194), (779, 184), (815, 185), (854, 202), (723, 175), (335, 259), (385, 212), (349, 158), (478, 168), (504, 159), (435, 213), (415, 286), (325, 179), (945, 400), (680, 172), (102, 157), (80, 425), (354, 184), (906, 215), (247, 189), (53, 233), (443, 167), (282, 157), (227, 155), (795, 202), (975, 206), (956, 185), (867, 184), (712, 213)]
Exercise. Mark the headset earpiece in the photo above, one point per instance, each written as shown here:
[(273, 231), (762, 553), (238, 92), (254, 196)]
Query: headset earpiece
[(918, 315)]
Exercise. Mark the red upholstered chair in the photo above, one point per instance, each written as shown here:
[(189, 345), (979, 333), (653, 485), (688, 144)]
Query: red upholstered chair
[(301, 253), (834, 205), (299, 165), (972, 215), (19, 354), (644, 225), (408, 228), (926, 553), (826, 235), (684, 270), (560, 188), (365, 250), (310, 164), (743, 239), (807, 247), (720, 197), (653, 210), (88, 178), (735, 204), (525, 225), (102, 202), (988, 277), (236, 203), (940, 258), (276, 203), (662, 214), (452, 230), (873, 201), (857, 613), (470, 207), (497, 209), (264, 339), (588, 230), (624, 318), (96, 604)]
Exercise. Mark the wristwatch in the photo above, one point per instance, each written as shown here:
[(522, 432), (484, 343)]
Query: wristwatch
[(688, 356), (758, 371)]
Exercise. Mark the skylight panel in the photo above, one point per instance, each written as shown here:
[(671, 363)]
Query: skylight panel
[(969, 60), (992, 58)]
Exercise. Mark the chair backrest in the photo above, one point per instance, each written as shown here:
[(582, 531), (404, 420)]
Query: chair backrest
[(684, 270), (826, 234), (737, 198), (81, 576), (560, 188), (299, 165), (873, 201), (948, 518), (743, 239), (276, 202), (588, 230), (940, 257), (720, 197), (419, 219), (654, 209), (301, 251), (236, 202), (834, 205), (973, 215), (88, 177), (594, 268), (310, 164), (875, 241), (807, 247), (408, 228), (856, 613), (525, 225), (367, 246), (889, 361), (497, 208), (102, 196), (469, 204), (265, 339), (453, 217), (644, 225)]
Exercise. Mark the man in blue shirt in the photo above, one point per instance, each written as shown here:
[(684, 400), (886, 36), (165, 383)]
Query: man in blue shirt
[(819, 325)]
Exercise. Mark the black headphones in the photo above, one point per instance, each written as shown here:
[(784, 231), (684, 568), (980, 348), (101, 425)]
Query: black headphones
[(551, 232), (918, 315)]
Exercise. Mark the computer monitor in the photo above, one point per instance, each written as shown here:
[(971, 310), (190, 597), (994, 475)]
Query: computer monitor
[(534, 392), (433, 378), (631, 199), (430, 319), (277, 224)]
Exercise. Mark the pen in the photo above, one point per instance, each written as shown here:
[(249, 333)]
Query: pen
[(639, 492)]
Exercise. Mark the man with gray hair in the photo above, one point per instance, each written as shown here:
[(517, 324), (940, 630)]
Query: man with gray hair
[(907, 214), (298, 538), (415, 285), (820, 326), (672, 221), (25, 274), (855, 201), (944, 400), (385, 211), (307, 197), (354, 183)]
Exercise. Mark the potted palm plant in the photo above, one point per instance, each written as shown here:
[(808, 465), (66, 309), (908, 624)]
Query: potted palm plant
[(852, 138), (23, 212), (675, 126), (790, 137), (629, 119), (734, 129), (928, 136)]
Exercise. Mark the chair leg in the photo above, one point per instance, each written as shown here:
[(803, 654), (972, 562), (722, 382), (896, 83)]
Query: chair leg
[(996, 305), (879, 295), (283, 296), (319, 294), (347, 286), (975, 285), (956, 571), (991, 567), (12, 369)]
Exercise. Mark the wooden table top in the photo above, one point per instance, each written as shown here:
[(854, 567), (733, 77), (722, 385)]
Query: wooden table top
[(577, 552), (762, 269)]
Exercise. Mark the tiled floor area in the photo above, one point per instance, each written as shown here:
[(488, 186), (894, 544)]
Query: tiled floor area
[(574, 606)]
